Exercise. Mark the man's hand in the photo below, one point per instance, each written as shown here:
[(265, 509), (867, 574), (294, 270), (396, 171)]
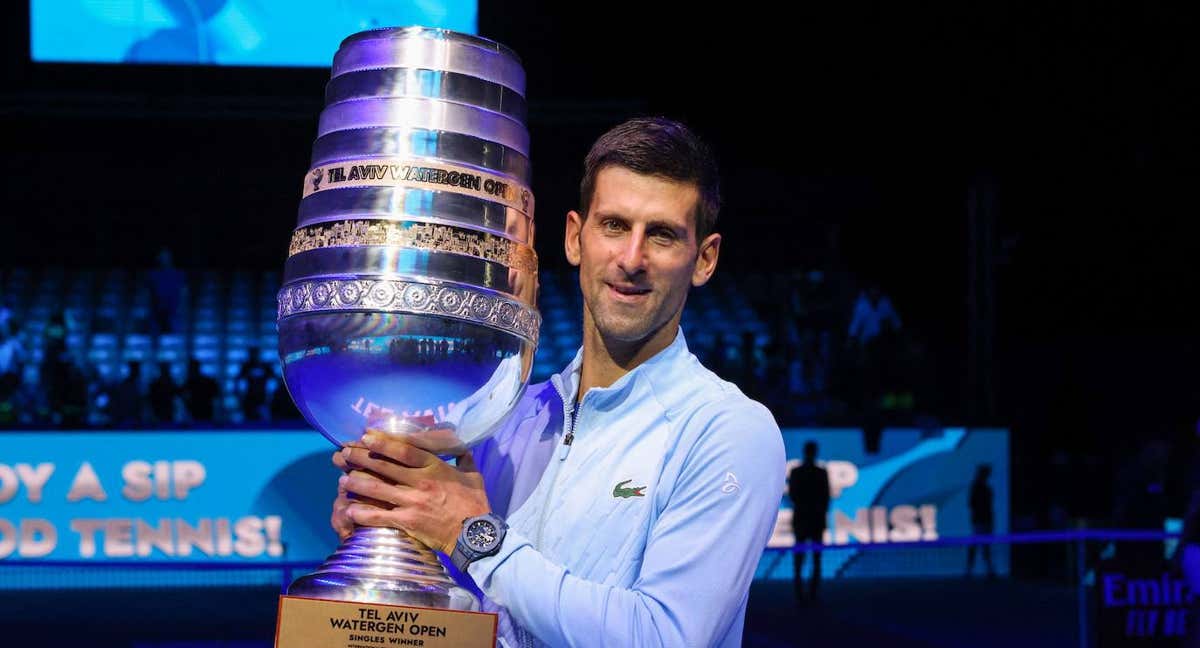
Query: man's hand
[(390, 483)]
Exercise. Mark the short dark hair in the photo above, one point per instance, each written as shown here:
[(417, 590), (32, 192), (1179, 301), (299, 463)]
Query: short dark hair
[(661, 147)]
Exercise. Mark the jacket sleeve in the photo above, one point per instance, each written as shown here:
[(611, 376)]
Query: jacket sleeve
[(700, 556)]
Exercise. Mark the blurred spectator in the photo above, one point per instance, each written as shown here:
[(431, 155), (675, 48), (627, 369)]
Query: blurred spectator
[(166, 290), (252, 387), (6, 315), (1141, 501), (163, 392), (199, 393), (63, 383), (808, 488), (871, 337), (128, 402), (1187, 560), (982, 518), (873, 316), (12, 359)]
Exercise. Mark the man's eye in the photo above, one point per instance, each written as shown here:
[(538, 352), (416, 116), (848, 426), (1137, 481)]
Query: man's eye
[(611, 225), (665, 236)]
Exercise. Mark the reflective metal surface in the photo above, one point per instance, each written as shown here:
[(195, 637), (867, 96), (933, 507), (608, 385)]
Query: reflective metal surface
[(428, 114), (417, 142), (430, 84), (434, 49), (384, 566), (408, 303)]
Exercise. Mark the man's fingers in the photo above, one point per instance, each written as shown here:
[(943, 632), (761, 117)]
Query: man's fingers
[(364, 460), (372, 517), (398, 450), (366, 487), (341, 461)]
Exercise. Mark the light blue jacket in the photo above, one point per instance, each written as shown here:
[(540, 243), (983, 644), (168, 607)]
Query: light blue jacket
[(647, 529)]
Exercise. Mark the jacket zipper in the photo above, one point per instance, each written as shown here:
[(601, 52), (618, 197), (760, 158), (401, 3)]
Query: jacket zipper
[(569, 420)]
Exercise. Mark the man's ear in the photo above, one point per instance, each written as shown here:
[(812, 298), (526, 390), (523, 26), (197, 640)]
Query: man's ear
[(706, 259), (571, 240)]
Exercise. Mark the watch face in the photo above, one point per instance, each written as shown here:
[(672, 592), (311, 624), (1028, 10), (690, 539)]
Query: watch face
[(481, 535)]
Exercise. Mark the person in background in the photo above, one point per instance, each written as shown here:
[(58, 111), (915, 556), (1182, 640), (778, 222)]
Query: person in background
[(128, 403), (252, 386), (199, 393), (163, 392), (166, 290), (982, 518), (12, 361), (808, 488)]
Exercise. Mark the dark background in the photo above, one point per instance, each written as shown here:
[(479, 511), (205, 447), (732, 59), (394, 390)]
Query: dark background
[(1019, 178)]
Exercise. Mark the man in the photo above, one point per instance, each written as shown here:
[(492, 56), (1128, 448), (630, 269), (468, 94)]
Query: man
[(808, 488), (200, 392), (639, 489), (982, 518)]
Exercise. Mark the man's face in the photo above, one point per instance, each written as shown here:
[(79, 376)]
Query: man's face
[(638, 255)]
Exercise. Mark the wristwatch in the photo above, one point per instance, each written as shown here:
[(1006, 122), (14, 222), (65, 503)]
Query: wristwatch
[(481, 536)]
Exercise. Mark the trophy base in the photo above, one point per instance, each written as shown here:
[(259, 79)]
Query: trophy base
[(376, 565)]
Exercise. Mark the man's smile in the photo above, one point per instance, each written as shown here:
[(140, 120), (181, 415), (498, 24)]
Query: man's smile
[(627, 292)]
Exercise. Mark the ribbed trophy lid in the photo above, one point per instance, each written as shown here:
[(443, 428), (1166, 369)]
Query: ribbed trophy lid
[(432, 48)]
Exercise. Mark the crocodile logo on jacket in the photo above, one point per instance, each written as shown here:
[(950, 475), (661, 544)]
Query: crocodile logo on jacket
[(621, 491)]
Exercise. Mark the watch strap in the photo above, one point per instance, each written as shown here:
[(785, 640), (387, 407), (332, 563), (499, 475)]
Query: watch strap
[(458, 558)]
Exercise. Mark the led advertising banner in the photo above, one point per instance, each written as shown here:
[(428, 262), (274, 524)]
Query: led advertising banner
[(241, 497), (915, 487), (222, 32)]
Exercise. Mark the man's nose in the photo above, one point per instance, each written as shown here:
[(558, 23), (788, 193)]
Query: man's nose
[(632, 257)]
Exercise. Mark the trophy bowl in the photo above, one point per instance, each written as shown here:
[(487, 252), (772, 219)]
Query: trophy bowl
[(408, 302)]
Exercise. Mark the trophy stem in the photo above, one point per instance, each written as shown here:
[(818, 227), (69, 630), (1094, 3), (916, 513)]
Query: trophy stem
[(379, 565)]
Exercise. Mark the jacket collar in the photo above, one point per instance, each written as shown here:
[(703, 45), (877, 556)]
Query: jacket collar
[(655, 367)]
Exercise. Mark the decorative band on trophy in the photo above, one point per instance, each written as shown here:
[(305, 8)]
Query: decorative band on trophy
[(413, 204), (454, 148), (395, 296), (430, 84), (401, 172), (419, 47), (416, 235), (390, 262)]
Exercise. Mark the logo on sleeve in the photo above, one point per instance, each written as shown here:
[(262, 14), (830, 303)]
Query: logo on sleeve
[(621, 491), (730, 485)]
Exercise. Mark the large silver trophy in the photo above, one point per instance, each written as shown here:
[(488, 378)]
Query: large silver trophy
[(409, 292)]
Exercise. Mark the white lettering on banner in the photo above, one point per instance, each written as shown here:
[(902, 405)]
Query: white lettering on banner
[(187, 475), (8, 538), (137, 481), (844, 527), (842, 475), (199, 536), (249, 537), (877, 524), (904, 524), (118, 538), (35, 478), (154, 537), (12, 477), (86, 485), (30, 538), (87, 535), (144, 480)]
